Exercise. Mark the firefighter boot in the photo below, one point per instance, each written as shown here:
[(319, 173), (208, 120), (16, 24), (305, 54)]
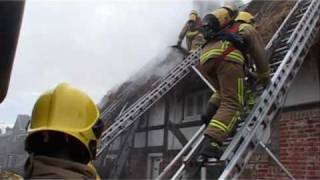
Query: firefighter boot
[(210, 149)]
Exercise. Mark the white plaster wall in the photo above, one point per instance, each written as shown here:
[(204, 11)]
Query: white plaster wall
[(140, 140), (190, 131), (173, 142), (156, 114), (155, 138), (175, 111)]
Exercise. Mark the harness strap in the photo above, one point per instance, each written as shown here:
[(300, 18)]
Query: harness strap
[(233, 29)]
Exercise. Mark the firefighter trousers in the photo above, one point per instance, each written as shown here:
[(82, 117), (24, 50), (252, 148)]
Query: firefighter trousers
[(227, 78)]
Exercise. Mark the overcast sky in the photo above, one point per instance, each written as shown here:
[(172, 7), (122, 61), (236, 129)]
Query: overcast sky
[(92, 44)]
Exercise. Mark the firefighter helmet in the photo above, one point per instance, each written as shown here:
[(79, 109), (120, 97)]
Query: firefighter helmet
[(193, 15), (69, 111), (220, 18), (245, 17)]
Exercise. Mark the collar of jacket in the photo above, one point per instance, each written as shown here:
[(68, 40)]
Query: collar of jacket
[(45, 167)]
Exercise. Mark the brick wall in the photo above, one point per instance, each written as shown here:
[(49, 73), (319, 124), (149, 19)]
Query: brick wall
[(137, 165), (299, 141)]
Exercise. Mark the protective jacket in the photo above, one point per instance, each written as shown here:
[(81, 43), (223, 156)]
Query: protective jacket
[(216, 48), (44, 167), (190, 33)]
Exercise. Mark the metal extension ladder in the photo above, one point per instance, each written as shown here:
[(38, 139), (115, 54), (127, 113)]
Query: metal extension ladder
[(122, 157), (291, 43), (125, 120)]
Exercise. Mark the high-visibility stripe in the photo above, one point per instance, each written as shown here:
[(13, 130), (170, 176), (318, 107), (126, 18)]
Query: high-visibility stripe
[(214, 144), (219, 125), (225, 45), (240, 91), (237, 57), (217, 52), (234, 120), (192, 33)]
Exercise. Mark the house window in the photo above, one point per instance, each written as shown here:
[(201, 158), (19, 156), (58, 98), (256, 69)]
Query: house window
[(195, 105)]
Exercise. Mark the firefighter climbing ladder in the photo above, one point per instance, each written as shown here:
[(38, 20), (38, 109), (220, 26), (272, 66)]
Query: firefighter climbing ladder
[(295, 46), (290, 43)]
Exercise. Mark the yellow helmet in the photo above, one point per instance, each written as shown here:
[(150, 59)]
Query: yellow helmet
[(68, 111), (193, 15), (245, 17), (220, 17), (194, 12)]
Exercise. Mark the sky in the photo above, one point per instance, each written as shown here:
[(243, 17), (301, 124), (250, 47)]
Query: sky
[(93, 45)]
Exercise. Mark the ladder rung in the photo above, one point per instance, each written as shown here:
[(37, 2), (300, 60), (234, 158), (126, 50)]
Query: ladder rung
[(275, 64), (282, 49)]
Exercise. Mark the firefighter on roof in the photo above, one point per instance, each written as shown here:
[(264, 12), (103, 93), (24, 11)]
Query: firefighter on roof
[(231, 38), (191, 31), (62, 137)]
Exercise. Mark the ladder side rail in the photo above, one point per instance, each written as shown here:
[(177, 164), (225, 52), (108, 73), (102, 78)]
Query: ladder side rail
[(278, 32), (301, 24), (243, 131), (286, 72), (107, 110), (182, 152), (126, 112), (124, 152), (187, 158)]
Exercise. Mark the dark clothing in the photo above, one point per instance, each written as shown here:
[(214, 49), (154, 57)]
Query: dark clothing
[(44, 167)]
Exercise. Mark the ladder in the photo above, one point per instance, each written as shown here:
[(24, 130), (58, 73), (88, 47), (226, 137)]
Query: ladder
[(123, 154), (125, 120), (291, 43)]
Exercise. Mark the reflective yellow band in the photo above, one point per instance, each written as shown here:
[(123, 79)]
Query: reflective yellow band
[(219, 125), (214, 144), (234, 120), (218, 52), (192, 33), (225, 45), (240, 91), (236, 56)]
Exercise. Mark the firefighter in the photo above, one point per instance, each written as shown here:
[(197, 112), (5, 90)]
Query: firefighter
[(222, 60), (191, 30), (62, 135)]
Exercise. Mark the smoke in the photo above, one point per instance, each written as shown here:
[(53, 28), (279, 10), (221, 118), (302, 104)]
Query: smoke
[(206, 6), (158, 62)]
